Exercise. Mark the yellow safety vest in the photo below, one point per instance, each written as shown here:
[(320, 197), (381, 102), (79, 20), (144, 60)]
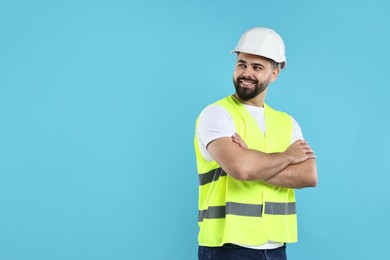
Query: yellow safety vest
[(246, 212)]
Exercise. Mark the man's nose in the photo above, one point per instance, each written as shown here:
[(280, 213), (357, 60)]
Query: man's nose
[(246, 72)]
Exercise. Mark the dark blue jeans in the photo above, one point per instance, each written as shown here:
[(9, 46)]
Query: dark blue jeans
[(234, 252)]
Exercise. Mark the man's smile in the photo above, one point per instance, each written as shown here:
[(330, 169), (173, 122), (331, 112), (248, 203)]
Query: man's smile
[(247, 83)]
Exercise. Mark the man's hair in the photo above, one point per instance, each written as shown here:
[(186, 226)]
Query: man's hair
[(273, 63)]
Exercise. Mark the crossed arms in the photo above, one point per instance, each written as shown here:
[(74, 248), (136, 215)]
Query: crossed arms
[(293, 168)]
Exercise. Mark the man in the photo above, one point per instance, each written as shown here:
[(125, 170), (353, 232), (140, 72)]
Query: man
[(250, 158)]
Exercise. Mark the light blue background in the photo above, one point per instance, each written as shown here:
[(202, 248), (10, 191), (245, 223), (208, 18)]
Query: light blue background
[(97, 107)]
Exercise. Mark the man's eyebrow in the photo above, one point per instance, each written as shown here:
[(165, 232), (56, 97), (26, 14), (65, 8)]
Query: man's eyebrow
[(253, 64), (257, 64)]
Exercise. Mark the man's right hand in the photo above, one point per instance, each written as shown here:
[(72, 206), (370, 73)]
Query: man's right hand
[(299, 151)]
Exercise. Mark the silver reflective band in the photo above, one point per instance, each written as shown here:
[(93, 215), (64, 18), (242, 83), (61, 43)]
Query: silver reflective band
[(211, 176), (280, 208), (212, 212), (250, 210), (247, 210), (233, 208)]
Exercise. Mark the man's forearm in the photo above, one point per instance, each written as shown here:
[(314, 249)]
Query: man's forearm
[(257, 165), (296, 176), (252, 165)]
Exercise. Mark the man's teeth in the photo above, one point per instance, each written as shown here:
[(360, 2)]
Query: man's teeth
[(246, 83)]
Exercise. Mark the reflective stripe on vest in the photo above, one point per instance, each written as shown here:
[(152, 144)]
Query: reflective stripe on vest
[(249, 210), (211, 176), (279, 208), (234, 208)]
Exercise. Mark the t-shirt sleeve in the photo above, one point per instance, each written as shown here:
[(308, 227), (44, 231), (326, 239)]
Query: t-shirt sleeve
[(297, 131), (214, 122)]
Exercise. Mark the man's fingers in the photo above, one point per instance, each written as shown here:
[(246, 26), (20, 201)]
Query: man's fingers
[(239, 136), (242, 144), (236, 138), (235, 141)]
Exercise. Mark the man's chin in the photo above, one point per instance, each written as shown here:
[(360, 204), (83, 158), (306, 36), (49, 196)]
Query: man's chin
[(244, 96)]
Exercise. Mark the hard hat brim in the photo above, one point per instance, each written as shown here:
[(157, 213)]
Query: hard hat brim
[(282, 63)]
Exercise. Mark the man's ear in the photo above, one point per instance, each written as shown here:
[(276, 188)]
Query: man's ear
[(275, 74)]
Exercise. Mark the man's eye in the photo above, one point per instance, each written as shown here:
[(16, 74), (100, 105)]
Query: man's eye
[(257, 68), (240, 65)]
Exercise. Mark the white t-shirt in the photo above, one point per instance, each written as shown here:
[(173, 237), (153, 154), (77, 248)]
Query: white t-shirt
[(215, 122)]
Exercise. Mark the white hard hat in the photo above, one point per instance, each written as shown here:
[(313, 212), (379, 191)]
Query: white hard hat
[(263, 42)]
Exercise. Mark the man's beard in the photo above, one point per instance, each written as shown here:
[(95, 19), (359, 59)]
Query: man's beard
[(249, 93)]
